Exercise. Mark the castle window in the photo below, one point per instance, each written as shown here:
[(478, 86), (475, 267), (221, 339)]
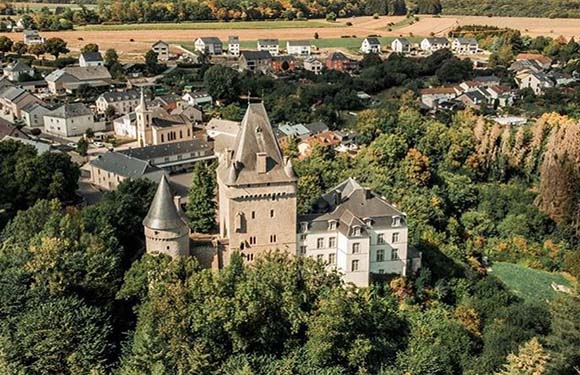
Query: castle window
[(271, 213), (252, 240), (394, 254), (395, 237), (272, 238), (354, 265), (332, 242), (380, 239), (253, 214), (356, 248), (304, 227), (320, 243), (380, 255), (302, 237)]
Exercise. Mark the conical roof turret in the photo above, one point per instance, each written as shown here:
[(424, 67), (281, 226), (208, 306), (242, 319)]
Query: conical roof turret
[(163, 215)]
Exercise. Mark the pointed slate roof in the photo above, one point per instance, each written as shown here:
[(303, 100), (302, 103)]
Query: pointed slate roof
[(163, 214)]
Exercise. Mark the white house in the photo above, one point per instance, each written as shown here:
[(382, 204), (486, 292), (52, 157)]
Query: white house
[(14, 70), (313, 65), (32, 37), (269, 45), (434, 44), (354, 231), (199, 98), (91, 59), (431, 97), (401, 45), (538, 82), (126, 125), (298, 47), (210, 45), (33, 114), (122, 101), (465, 46), (161, 48), (234, 45), (371, 45), (71, 119)]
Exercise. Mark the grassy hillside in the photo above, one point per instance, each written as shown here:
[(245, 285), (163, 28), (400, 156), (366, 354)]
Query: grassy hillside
[(514, 8), (528, 283)]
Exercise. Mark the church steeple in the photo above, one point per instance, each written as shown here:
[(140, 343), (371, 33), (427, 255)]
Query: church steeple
[(142, 106), (143, 122)]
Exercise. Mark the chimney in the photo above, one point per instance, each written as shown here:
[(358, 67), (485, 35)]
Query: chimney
[(261, 162), (368, 193), (337, 197), (177, 202)]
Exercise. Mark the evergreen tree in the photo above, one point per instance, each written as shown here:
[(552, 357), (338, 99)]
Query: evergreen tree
[(201, 206)]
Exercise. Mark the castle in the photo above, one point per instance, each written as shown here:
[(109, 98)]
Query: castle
[(350, 228)]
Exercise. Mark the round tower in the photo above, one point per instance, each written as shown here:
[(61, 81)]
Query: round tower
[(165, 230)]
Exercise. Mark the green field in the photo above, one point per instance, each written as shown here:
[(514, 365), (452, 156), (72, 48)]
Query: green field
[(528, 283), (242, 25), (352, 44)]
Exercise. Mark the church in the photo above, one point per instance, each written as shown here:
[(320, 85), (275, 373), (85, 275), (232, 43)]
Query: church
[(351, 229)]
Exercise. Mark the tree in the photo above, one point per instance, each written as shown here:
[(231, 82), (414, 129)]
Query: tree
[(55, 47), (563, 343), (222, 82), (530, 360), (111, 57), (201, 206), (110, 111), (331, 17), (90, 47), (5, 44), (151, 61), (19, 48), (37, 50), (82, 146)]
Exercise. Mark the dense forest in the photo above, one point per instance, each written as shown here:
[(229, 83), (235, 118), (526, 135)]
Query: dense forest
[(514, 8)]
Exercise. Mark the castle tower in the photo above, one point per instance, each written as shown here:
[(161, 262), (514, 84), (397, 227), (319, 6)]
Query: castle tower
[(165, 230), (143, 119), (257, 191)]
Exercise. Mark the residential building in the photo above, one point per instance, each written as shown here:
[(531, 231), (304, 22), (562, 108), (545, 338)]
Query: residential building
[(325, 139), (465, 46), (176, 156), (488, 81), (298, 47), (122, 102), (537, 82), (283, 63), (255, 61), (91, 59), (430, 97), (70, 120), (511, 120), (401, 45), (198, 98), (210, 45), (14, 99), (17, 69), (166, 231), (71, 77), (33, 114), (354, 231), (257, 191), (192, 113), (499, 95), (126, 125), (109, 169), (526, 65), (339, 61), (234, 45), (161, 48), (156, 125), (473, 99), (313, 65), (544, 61), (371, 45), (9, 130), (269, 45), (434, 44), (32, 37)]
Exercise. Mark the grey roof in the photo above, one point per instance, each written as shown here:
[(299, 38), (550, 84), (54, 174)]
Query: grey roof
[(466, 40), (160, 42), (256, 136), (117, 96), (211, 40), (69, 110), (13, 93), (18, 66), (373, 41), (268, 42), (403, 41), (168, 149), (30, 32), (256, 55), (486, 79), (126, 166), (79, 73), (41, 147), (35, 107), (92, 56), (338, 56), (233, 39), (438, 40), (316, 127), (475, 96), (163, 214), (351, 205), (298, 43)]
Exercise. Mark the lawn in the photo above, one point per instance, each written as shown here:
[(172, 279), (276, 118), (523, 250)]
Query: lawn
[(237, 25), (528, 283)]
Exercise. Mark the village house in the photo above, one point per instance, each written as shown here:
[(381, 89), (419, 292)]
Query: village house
[(487, 81), (543, 61), (371, 45), (126, 126), (32, 37), (174, 157), (161, 48), (339, 61), (269, 45), (536, 81), (313, 65), (234, 45), (503, 96), (324, 139), (71, 77), (191, 112), (14, 99), (465, 46), (434, 44), (298, 47), (282, 63), (198, 98), (357, 233), (472, 99), (122, 102), (70, 120), (401, 45), (526, 66), (91, 59), (109, 169), (33, 114), (17, 70), (210, 45), (430, 97), (255, 61)]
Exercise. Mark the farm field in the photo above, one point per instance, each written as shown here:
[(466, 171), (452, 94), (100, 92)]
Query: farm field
[(134, 39), (528, 283)]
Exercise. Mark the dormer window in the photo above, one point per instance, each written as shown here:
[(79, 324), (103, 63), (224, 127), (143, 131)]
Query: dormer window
[(304, 227), (356, 231), (332, 224), (396, 221), (368, 222)]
